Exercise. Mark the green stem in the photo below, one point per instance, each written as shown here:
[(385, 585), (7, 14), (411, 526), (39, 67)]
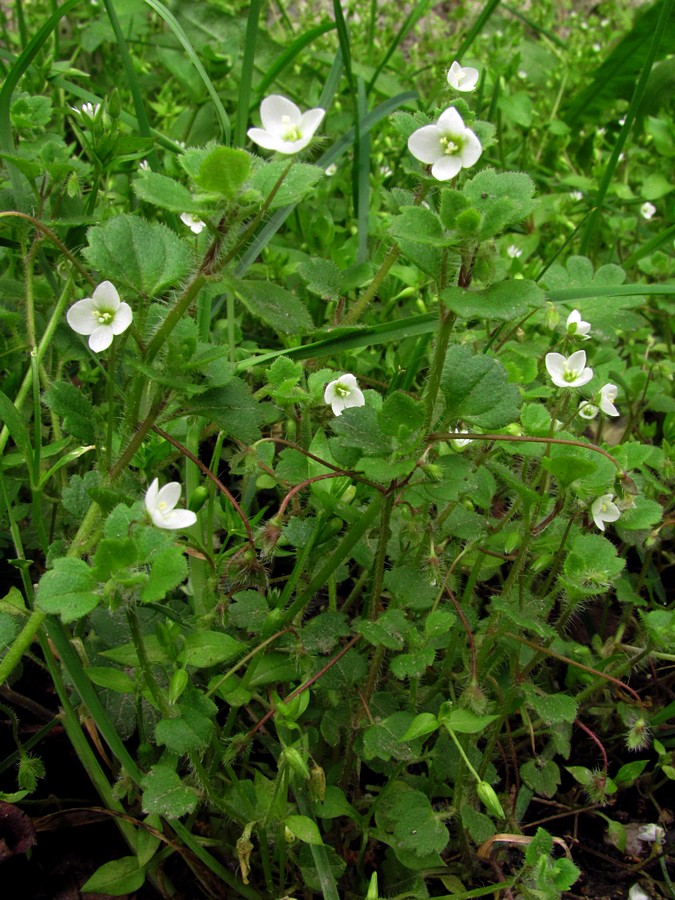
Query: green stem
[(381, 556), (174, 316), (144, 665), (436, 371), (368, 295)]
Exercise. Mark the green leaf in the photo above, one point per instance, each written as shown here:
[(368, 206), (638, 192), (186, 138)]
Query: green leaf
[(15, 425), (382, 469), (552, 708), (67, 590), (322, 276), (224, 171), (165, 192), (421, 725), (503, 199), (385, 739), (464, 721), (421, 223), (645, 514), (359, 427), (413, 828), (401, 415), (275, 306), (145, 257), (412, 665), (517, 108), (117, 877), (209, 648), (389, 630), (169, 569), (74, 408), (233, 409), (543, 776), (628, 773), (504, 301), (297, 183), (591, 565), (112, 679), (304, 828), (476, 389), (114, 555), (192, 729), (164, 794)]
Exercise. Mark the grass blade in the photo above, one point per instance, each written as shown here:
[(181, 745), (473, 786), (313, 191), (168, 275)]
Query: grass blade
[(477, 26), (248, 60), (287, 57), (362, 177), (175, 26), (412, 18)]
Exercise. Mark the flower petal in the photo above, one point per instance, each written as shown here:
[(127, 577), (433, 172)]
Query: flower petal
[(169, 495), (106, 295), (450, 122), (123, 318), (311, 120), (469, 80), (355, 398), (425, 144), (577, 361), (101, 338), (264, 139), (472, 149), (446, 168), (273, 109), (80, 316), (151, 495), (178, 518)]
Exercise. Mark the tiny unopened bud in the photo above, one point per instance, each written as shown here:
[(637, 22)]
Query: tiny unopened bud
[(373, 892), (490, 800), (638, 735), (179, 681), (317, 783), (295, 761)]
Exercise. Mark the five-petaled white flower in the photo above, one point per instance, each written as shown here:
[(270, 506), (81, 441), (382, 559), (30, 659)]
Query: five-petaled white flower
[(195, 225), (608, 394), (647, 210), (460, 443), (576, 195), (160, 504), (285, 129), (462, 79), (447, 146), (513, 252), (343, 393), (568, 372), (588, 410), (576, 325), (603, 510), (101, 317)]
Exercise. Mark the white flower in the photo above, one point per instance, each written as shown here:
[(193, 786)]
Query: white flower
[(343, 393), (651, 834), (160, 504), (285, 129), (459, 443), (447, 146), (144, 165), (603, 510), (636, 893), (588, 410), (607, 397), (331, 170), (87, 111), (576, 195), (576, 325), (647, 210), (101, 316), (195, 225), (513, 251), (462, 79), (568, 372), (522, 74), (597, 47)]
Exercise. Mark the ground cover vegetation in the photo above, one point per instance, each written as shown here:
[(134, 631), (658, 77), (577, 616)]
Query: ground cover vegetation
[(337, 427)]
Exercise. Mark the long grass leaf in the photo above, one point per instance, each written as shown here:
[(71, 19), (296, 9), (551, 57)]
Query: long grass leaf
[(289, 54), (362, 177), (246, 77), (619, 290), (129, 70), (477, 27), (638, 94), (419, 10), (177, 29)]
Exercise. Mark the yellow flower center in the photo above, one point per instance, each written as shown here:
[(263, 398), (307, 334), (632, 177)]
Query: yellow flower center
[(450, 146), (104, 316), (292, 132)]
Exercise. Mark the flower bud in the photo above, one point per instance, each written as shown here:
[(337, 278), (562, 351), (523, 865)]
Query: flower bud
[(490, 800), (198, 498), (317, 783), (292, 758), (178, 683)]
